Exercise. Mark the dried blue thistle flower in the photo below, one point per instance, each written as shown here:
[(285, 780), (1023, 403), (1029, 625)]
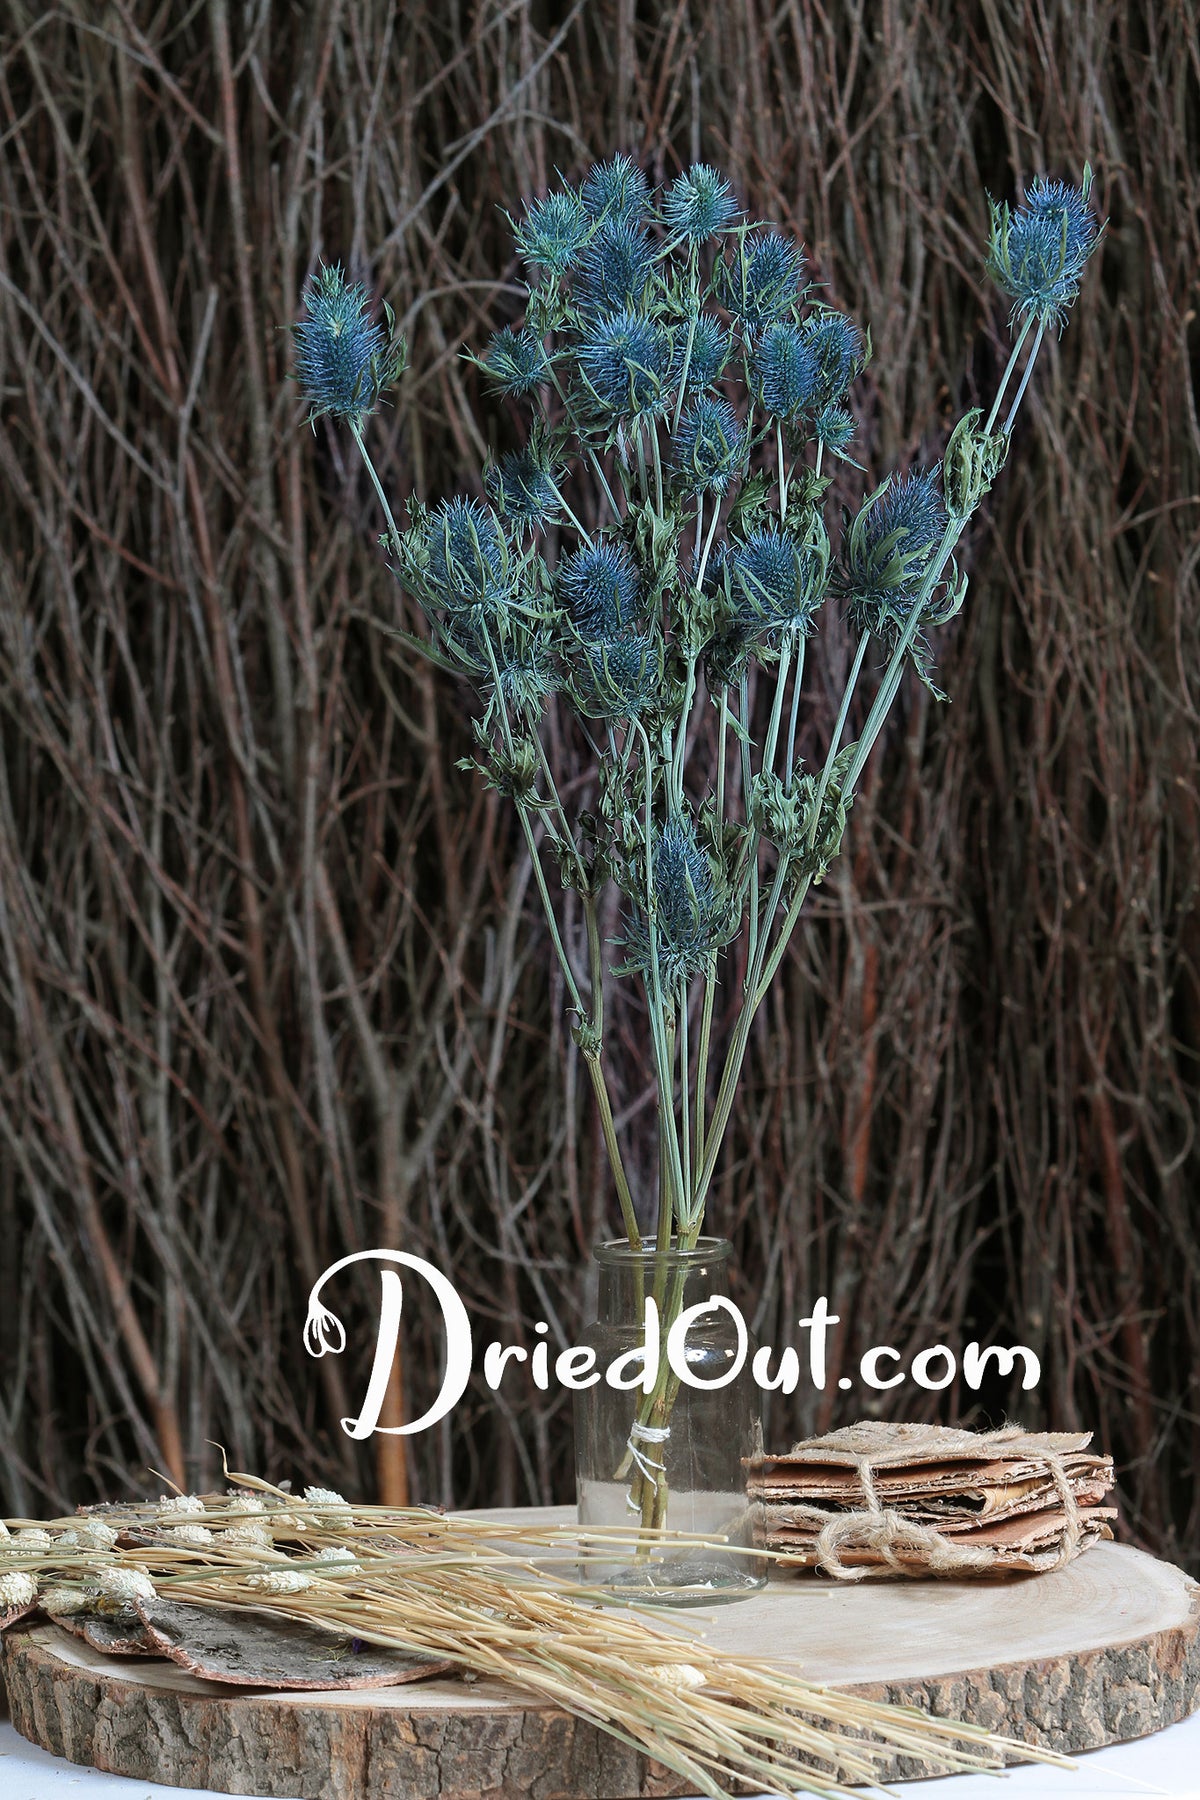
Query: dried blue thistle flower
[(693, 918), (710, 351), (708, 446), (552, 231), (785, 371), (626, 361), (616, 678), (525, 666), (834, 427), (601, 588), (522, 488), (1037, 254), (344, 361), (467, 565), (698, 203), (773, 579), (616, 190), (892, 541), (615, 268), (762, 279), (516, 361), (839, 350)]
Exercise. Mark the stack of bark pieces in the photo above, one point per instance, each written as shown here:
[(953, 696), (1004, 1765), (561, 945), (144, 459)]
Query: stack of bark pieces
[(878, 1499)]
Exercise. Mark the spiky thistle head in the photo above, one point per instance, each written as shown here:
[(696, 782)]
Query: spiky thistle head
[(891, 543), (626, 362), (344, 361), (600, 587), (698, 203), (525, 666), (616, 189), (708, 446), (467, 566), (616, 678), (710, 351), (1037, 253), (693, 916), (785, 371), (516, 361), (615, 268), (774, 579), (840, 352), (523, 489), (552, 232), (761, 280)]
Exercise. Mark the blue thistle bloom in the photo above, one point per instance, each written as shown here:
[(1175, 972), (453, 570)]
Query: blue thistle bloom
[(834, 427), (838, 348), (708, 446), (699, 203), (773, 579), (467, 564), (601, 588), (552, 231), (615, 267), (617, 678), (710, 351), (693, 918), (616, 190), (523, 489), (526, 672), (786, 373), (343, 360), (516, 361), (626, 361), (892, 541), (762, 281), (1037, 254)]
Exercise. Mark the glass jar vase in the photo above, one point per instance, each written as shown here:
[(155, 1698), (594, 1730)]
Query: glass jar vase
[(665, 1446)]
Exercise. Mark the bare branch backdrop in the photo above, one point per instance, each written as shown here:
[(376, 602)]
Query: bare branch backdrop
[(273, 987)]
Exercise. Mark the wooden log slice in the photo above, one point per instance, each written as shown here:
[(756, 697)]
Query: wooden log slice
[(1102, 1651)]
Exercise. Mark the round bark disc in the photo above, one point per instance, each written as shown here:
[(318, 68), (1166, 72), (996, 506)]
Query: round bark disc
[(1104, 1650)]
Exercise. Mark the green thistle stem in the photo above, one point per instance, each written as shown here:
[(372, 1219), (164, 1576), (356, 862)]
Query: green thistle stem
[(356, 432), (1008, 369)]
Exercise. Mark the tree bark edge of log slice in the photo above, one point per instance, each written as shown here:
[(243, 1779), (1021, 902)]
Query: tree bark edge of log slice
[(240, 1743)]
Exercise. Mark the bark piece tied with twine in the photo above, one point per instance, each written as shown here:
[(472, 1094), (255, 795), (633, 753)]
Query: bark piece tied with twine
[(875, 1499)]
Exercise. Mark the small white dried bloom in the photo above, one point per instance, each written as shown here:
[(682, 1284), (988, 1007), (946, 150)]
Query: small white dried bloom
[(32, 1537), (341, 1559), (67, 1540), (330, 1507), (251, 1533), (17, 1589), (678, 1675), (96, 1534), (285, 1522), (192, 1537), (280, 1581), (189, 1506), (246, 1501), (124, 1585), (64, 1600)]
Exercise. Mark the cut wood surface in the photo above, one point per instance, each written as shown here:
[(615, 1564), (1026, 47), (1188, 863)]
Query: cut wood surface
[(1096, 1653)]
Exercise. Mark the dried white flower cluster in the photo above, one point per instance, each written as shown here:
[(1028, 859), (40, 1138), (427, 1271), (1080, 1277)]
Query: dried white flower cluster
[(280, 1581), (17, 1589), (250, 1533), (119, 1588), (331, 1508), (339, 1559), (192, 1537), (188, 1506)]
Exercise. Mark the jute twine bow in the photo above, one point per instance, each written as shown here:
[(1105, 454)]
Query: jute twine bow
[(887, 1532)]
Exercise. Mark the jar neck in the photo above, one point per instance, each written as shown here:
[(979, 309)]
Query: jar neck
[(674, 1278)]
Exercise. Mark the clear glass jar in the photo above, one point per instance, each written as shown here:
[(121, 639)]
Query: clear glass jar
[(673, 1457)]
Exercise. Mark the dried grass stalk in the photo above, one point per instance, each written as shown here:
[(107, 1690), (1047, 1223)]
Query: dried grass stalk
[(423, 1582)]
